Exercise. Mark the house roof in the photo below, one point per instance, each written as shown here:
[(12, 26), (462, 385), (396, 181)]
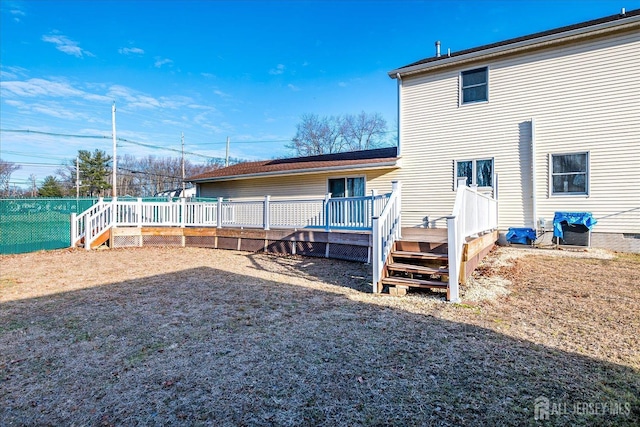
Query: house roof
[(365, 159), (531, 41)]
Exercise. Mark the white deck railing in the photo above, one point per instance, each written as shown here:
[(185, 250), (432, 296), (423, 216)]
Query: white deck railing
[(473, 213), (348, 213), (386, 230), (91, 223)]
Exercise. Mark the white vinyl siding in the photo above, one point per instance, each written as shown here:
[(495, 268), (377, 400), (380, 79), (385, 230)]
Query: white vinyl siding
[(311, 185), (583, 97)]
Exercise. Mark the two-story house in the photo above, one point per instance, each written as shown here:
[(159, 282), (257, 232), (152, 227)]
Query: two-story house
[(546, 122)]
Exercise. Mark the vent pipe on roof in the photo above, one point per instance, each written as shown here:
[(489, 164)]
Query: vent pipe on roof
[(438, 48), (449, 52), (623, 12)]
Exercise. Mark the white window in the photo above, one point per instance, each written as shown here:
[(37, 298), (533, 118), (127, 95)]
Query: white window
[(477, 171), (475, 85), (346, 187), (569, 174)]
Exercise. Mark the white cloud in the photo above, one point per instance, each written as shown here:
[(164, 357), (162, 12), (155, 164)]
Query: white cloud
[(46, 88), (66, 45), (7, 73), (49, 108), (342, 84), (162, 61), (207, 75), (130, 50), (221, 94), (278, 70), (293, 87)]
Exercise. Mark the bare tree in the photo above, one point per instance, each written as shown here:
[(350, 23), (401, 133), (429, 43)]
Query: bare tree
[(333, 134), (364, 131), (6, 169)]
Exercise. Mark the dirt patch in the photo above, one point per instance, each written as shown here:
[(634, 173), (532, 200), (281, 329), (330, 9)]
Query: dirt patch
[(212, 337)]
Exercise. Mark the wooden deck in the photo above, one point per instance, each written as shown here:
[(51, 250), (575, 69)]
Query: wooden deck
[(347, 245)]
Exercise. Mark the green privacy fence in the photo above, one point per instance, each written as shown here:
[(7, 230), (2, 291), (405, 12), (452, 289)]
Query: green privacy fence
[(28, 225)]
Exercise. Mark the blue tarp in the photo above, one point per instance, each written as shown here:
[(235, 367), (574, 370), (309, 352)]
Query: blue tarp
[(575, 218), (521, 235)]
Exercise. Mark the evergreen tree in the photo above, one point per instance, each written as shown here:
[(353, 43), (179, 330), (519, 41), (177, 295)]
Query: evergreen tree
[(94, 172), (50, 188)]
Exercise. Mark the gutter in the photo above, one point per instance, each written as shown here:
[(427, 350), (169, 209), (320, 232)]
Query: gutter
[(399, 101), (370, 166), (522, 46)]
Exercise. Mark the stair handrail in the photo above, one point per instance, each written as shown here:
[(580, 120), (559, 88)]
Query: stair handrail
[(386, 229), (473, 213), (78, 221), (98, 222)]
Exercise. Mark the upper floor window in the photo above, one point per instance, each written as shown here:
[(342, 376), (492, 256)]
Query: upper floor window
[(570, 174), (475, 85), (478, 172)]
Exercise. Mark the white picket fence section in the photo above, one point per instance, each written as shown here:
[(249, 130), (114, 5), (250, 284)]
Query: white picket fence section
[(386, 229), (349, 213), (473, 214)]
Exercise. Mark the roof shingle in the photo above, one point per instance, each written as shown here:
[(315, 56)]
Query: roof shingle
[(336, 160)]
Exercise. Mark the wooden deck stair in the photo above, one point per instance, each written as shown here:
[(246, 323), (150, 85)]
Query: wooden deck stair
[(418, 260)]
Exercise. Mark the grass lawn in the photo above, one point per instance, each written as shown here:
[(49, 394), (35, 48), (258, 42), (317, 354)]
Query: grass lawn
[(159, 336)]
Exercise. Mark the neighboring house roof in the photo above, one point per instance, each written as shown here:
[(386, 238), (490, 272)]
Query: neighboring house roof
[(629, 19), (365, 159)]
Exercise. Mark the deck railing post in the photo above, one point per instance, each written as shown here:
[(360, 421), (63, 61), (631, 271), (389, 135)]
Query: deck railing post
[(139, 212), (396, 187), (265, 213), (183, 213), (327, 209), (87, 232), (376, 249), (219, 213), (454, 258), (74, 229)]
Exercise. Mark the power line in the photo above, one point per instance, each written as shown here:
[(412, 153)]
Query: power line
[(143, 144)]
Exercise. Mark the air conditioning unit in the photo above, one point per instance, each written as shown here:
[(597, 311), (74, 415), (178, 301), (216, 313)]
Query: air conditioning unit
[(574, 235)]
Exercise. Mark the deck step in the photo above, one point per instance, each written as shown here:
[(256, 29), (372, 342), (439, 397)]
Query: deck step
[(416, 269), (413, 283), (419, 255)]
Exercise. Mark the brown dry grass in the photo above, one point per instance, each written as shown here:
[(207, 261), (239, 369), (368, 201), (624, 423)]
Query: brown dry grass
[(205, 337)]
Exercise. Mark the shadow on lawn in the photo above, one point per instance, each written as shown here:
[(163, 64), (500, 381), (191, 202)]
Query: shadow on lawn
[(204, 346)]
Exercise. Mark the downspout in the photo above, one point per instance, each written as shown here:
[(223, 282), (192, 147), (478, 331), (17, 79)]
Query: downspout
[(534, 207), (399, 111)]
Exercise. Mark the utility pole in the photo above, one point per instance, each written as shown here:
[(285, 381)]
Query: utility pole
[(77, 177), (183, 195), (114, 161), (33, 185), (226, 158)]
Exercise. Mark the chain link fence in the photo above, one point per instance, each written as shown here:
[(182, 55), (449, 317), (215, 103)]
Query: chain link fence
[(29, 225)]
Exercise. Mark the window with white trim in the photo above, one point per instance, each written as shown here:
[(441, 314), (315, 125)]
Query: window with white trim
[(475, 85), (477, 171), (346, 187), (569, 174)]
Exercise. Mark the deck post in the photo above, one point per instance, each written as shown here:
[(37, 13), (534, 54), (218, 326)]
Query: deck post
[(74, 229), (87, 232), (183, 208), (376, 249), (454, 259), (265, 213), (327, 219), (396, 187), (219, 213), (139, 209)]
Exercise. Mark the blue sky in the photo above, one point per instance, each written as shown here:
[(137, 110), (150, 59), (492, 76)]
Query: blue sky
[(211, 69)]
